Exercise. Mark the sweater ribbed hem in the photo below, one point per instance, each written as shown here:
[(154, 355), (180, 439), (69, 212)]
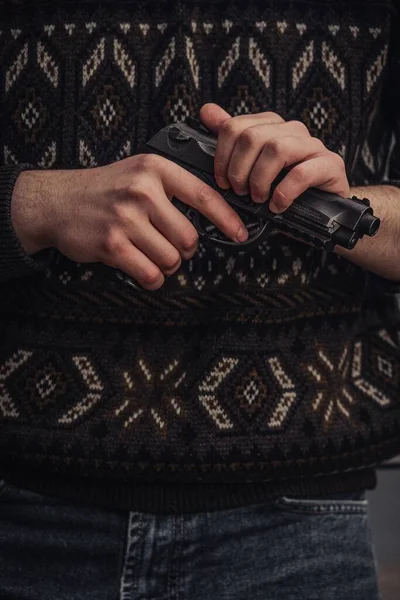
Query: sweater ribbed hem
[(14, 261), (169, 498)]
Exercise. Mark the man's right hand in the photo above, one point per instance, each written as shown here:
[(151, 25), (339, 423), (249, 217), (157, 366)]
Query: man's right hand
[(120, 215)]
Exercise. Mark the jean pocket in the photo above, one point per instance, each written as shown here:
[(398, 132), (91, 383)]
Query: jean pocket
[(354, 503)]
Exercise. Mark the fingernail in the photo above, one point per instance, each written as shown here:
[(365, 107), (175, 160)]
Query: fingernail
[(222, 183), (242, 235), (258, 197), (274, 207)]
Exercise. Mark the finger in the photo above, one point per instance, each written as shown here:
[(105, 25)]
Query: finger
[(227, 136), (155, 246), (325, 172), (277, 154), (213, 116), (137, 265), (176, 228), (193, 191), (250, 144)]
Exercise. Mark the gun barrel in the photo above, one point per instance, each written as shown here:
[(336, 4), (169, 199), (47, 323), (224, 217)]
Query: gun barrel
[(369, 224)]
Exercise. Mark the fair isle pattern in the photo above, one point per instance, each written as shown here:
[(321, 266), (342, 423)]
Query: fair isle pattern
[(385, 367), (331, 397), (288, 397), (7, 406), (250, 366), (143, 378), (214, 404), (208, 388), (48, 383), (94, 386), (262, 52), (16, 67)]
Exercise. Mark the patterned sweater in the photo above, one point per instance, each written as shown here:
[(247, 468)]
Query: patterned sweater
[(246, 376)]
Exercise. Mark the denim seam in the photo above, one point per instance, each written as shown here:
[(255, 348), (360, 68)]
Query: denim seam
[(174, 570), (179, 554), (350, 507), (306, 502), (134, 530), (179, 589)]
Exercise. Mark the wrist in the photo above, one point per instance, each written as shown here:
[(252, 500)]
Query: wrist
[(37, 203), (378, 208), (380, 253)]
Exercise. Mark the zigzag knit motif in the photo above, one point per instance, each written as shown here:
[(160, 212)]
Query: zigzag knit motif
[(242, 368)]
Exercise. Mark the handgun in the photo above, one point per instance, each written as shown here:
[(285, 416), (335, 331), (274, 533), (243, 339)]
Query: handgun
[(320, 218)]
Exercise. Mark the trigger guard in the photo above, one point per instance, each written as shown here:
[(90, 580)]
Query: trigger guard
[(195, 218), (253, 241)]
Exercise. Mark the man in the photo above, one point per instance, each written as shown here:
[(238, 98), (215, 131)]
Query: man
[(213, 434)]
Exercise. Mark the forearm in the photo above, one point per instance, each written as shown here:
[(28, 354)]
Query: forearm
[(14, 261), (380, 254)]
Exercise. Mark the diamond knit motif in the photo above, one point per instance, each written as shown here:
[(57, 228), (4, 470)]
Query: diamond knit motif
[(45, 379), (264, 366)]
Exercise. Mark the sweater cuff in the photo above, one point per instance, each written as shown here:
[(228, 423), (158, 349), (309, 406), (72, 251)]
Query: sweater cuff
[(14, 261)]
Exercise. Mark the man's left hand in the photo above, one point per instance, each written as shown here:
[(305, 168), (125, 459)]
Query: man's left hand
[(253, 149)]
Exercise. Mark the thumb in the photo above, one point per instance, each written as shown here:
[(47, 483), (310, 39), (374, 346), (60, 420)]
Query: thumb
[(213, 116)]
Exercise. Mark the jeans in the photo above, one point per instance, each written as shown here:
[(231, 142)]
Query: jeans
[(289, 549)]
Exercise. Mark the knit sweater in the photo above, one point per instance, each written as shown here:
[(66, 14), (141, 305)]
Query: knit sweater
[(245, 376)]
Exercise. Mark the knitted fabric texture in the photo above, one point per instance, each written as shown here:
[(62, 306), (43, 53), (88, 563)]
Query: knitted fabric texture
[(257, 367)]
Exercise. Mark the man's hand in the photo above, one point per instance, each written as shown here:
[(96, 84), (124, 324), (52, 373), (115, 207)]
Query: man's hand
[(253, 149), (120, 215)]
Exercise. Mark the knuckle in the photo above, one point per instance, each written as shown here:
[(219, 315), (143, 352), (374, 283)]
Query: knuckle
[(119, 212), (338, 161), (205, 196), (141, 160), (229, 127), (171, 262), (249, 137), (299, 174), (122, 189), (189, 241), (146, 162), (141, 191), (273, 147), (339, 175), (319, 144), (151, 278), (299, 127), (274, 117), (112, 243), (237, 179)]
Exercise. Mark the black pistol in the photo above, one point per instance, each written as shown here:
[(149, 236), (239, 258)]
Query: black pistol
[(316, 217)]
